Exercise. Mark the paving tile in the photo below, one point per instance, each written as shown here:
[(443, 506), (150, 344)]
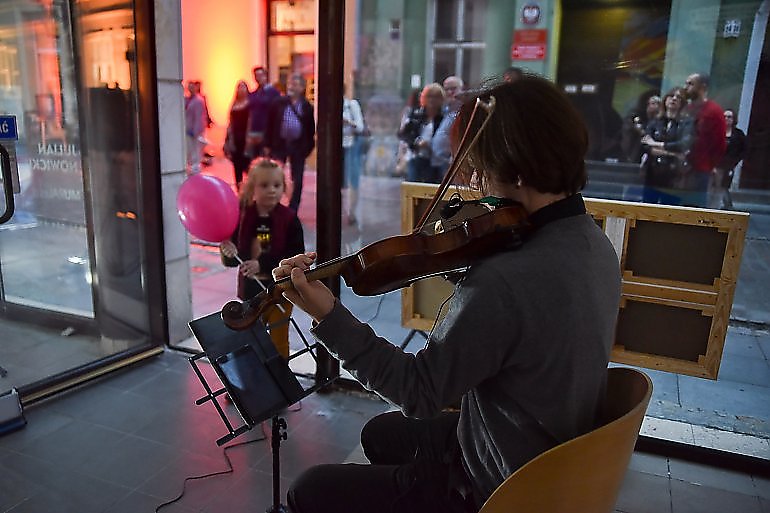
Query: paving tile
[(763, 339), (745, 369), (175, 385), (693, 498), (251, 491), (726, 404), (721, 479), (189, 428), (649, 464), (135, 502), (194, 476), (71, 445), (128, 462), (744, 343), (356, 456), (762, 486), (16, 488), (41, 421), (65, 490), (644, 493)]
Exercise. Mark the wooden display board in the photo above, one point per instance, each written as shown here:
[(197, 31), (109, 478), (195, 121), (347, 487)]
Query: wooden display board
[(679, 267)]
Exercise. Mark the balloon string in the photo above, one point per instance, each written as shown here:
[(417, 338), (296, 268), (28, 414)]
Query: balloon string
[(240, 261)]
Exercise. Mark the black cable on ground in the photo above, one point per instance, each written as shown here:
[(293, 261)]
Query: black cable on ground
[(212, 474)]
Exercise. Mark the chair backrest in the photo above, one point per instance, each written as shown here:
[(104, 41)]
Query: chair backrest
[(583, 474)]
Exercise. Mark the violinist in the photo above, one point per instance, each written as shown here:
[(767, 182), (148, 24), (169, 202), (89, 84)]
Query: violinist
[(523, 347)]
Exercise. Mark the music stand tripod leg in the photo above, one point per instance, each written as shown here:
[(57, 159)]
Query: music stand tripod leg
[(278, 434)]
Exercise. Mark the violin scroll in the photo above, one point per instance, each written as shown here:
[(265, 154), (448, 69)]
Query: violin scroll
[(241, 315)]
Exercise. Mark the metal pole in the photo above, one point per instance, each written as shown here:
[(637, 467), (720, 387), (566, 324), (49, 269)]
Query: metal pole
[(331, 58)]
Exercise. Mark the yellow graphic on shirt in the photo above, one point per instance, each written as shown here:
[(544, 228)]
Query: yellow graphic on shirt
[(261, 242)]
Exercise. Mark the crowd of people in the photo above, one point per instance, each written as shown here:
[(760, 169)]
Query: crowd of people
[(262, 122), (688, 146)]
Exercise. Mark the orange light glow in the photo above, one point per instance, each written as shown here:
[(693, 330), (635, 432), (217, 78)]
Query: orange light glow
[(221, 43)]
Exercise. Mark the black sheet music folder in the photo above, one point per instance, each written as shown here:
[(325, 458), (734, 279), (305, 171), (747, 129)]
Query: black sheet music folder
[(252, 372)]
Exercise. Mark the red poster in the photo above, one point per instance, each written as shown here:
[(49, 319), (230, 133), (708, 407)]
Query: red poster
[(529, 44)]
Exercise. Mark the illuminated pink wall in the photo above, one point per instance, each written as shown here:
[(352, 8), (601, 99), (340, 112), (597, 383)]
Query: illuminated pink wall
[(221, 42)]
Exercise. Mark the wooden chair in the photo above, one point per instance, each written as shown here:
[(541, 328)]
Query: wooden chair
[(582, 475)]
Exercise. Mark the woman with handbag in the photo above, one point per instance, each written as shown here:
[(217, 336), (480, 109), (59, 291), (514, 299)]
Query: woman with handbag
[(663, 159), (235, 141)]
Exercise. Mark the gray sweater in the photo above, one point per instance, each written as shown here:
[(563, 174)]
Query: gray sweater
[(525, 345)]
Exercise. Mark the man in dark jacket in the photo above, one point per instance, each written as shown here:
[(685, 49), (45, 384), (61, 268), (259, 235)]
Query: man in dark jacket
[(290, 132), (259, 107)]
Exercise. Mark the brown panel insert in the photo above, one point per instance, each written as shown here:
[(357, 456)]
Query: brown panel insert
[(675, 252), (429, 294), (663, 330)]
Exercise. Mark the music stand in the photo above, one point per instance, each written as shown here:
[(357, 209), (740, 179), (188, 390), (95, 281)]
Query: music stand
[(258, 380)]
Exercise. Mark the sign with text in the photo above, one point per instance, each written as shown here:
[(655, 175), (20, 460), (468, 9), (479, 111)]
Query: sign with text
[(8, 129), (529, 45), (56, 182)]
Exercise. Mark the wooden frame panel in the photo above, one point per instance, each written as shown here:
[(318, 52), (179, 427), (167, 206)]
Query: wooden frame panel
[(679, 268)]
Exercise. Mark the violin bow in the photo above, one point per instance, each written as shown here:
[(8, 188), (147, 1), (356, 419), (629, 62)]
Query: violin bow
[(462, 154)]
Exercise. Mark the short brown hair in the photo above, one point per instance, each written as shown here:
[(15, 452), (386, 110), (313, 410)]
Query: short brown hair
[(534, 135)]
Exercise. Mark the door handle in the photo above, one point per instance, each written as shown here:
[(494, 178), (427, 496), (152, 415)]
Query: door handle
[(5, 164)]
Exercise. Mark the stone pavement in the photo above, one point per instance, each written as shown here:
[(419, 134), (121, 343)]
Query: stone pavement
[(731, 413)]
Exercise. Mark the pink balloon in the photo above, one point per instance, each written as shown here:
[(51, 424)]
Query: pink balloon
[(207, 207)]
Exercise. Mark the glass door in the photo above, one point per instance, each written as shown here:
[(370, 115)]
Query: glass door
[(73, 264)]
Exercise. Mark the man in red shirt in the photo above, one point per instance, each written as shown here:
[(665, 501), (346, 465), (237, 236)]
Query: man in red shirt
[(707, 142)]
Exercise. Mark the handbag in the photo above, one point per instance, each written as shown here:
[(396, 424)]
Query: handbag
[(364, 140)]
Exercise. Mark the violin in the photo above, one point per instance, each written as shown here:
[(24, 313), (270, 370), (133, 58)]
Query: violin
[(396, 262)]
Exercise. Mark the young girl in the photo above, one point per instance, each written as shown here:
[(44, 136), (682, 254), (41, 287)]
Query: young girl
[(267, 232)]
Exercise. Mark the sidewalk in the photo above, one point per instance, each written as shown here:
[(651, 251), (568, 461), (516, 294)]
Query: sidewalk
[(731, 413)]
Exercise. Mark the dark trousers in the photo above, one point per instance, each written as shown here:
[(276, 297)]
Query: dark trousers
[(240, 165), (415, 469), (296, 156)]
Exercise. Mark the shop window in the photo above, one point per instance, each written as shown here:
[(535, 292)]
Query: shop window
[(291, 42)]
